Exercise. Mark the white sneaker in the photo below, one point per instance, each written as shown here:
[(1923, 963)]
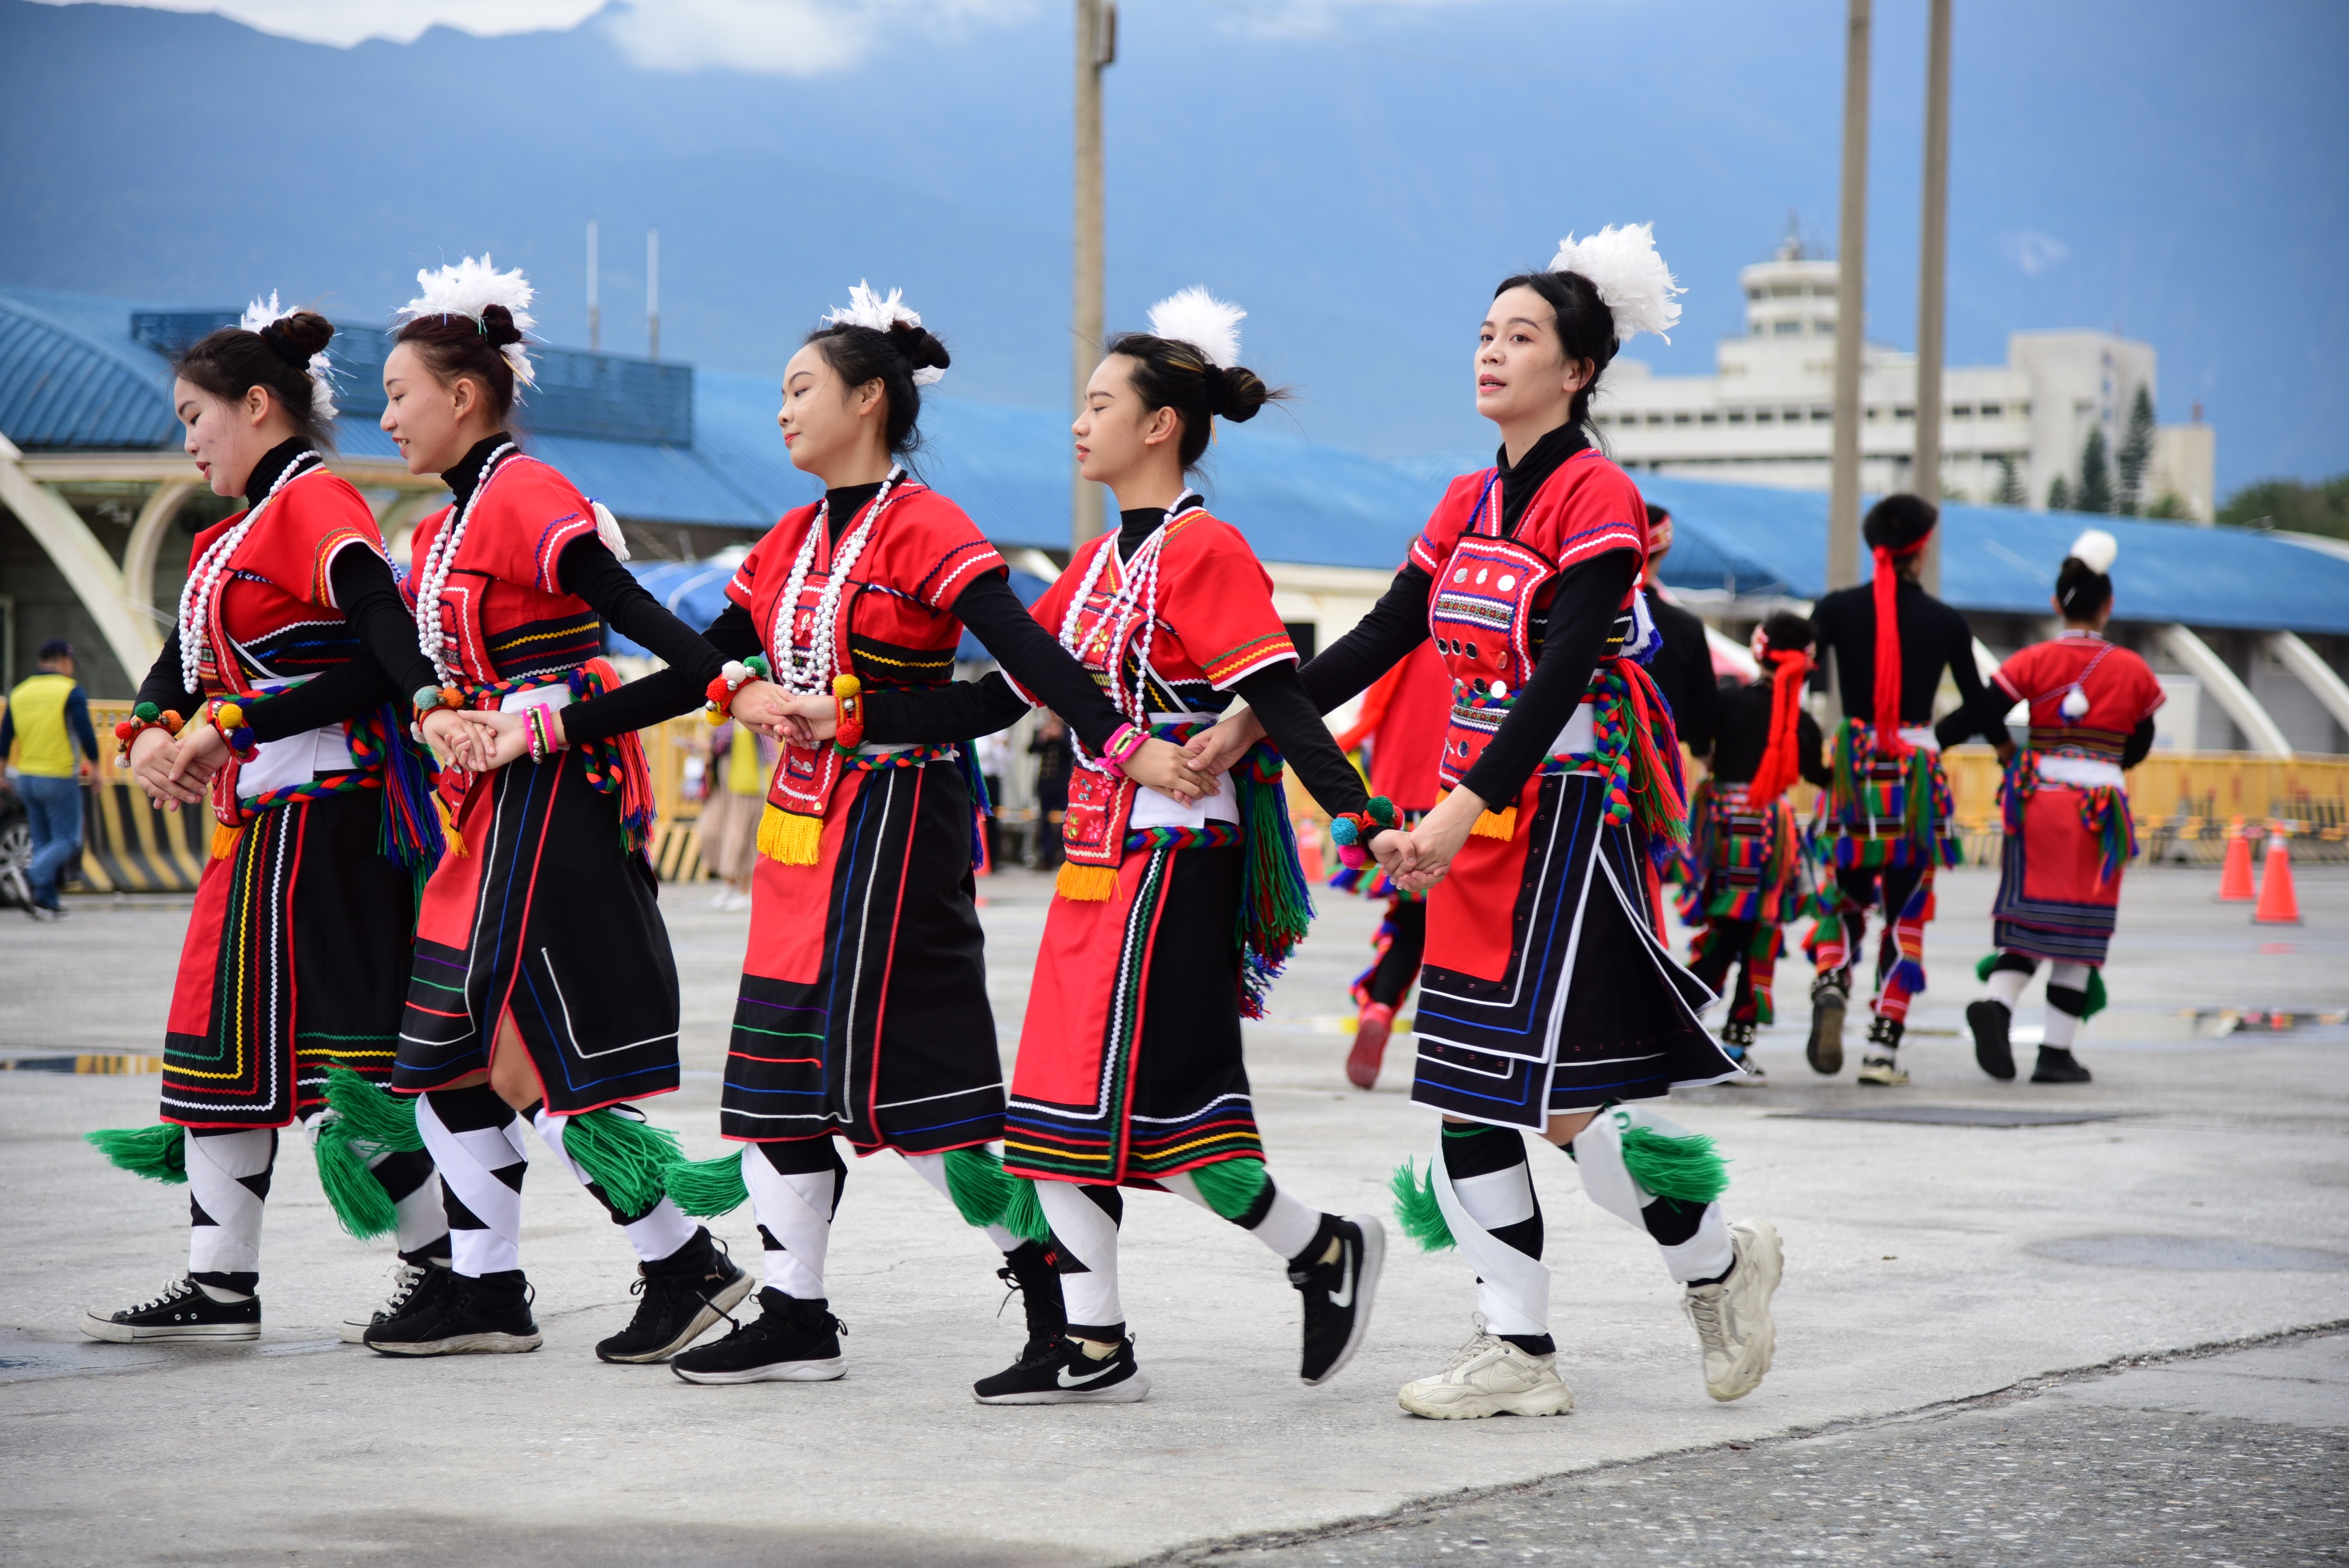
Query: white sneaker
[(1489, 1377), (1732, 1318), (723, 899)]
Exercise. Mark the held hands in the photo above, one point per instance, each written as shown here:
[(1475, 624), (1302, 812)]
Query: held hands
[(203, 752), (1163, 766), (1437, 839), (153, 759), (461, 739), (1219, 748), (776, 713)]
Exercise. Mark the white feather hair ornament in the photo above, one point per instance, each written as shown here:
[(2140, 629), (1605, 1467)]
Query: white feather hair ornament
[(1198, 319), (2096, 551), (467, 288), (1629, 276), (260, 314), (866, 307)]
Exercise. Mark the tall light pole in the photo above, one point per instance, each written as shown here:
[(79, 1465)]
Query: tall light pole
[(1851, 306), (1933, 244), (1096, 50)]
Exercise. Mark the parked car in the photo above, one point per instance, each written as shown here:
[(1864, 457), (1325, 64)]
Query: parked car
[(15, 847)]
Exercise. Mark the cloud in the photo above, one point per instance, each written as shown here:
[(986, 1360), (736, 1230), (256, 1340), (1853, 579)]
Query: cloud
[(783, 37), (343, 23), (2033, 252)]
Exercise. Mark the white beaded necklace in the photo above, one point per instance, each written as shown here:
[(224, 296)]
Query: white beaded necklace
[(1136, 595), (202, 587), (433, 575), (810, 672)]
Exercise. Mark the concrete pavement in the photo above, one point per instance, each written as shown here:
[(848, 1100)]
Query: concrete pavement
[(1926, 1263)]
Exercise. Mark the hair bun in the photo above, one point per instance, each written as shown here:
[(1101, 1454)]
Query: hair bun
[(1236, 393), (498, 326), (295, 337), (919, 345)]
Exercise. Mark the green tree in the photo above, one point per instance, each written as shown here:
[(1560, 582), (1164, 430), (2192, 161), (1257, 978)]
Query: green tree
[(2059, 494), (2095, 476), (2136, 451), (2320, 508), (2010, 483), (2168, 504)]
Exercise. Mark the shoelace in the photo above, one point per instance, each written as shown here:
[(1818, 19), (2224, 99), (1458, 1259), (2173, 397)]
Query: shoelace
[(1012, 1287), (406, 1279), (1704, 1311), (178, 1290)]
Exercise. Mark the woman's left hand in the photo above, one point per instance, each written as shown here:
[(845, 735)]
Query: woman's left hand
[(1438, 838), (203, 751)]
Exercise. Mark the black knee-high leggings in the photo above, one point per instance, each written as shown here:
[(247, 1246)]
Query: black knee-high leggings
[(1399, 965)]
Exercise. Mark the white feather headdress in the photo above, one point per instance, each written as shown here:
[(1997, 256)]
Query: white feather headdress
[(470, 288), (260, 314), (2096, 551), (1622, 265), (1198, 319), (866, 307)]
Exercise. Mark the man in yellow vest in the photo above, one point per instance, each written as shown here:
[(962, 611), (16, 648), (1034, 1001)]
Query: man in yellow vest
[(46, 733)]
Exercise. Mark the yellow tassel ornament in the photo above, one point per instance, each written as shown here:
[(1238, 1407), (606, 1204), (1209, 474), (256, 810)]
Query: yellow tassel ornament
[(790, 838), (1086, 884)]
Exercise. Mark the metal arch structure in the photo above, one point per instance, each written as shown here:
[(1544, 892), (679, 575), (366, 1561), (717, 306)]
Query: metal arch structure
[(84, 562), (2202, 661), (2313, 673)]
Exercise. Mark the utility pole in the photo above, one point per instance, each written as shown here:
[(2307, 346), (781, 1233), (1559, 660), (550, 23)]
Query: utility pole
[(595, 301), (652, 290), (1933, 244), (1851, 306), (1096, 50)]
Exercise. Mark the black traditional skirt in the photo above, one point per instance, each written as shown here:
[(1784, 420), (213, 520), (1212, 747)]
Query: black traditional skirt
[(295, 960), (1547, 987), (862, 1009), (544, 917)]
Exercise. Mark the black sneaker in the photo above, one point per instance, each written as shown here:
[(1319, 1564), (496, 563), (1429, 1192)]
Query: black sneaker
[(2058, 1064), (415, 1286), (185, 1314), (1829, 996), (1338, 1293), (470, 1316), (681, 1297), (1029, 1270), (1065, 1375), (1989, 1019), (791, 1341)]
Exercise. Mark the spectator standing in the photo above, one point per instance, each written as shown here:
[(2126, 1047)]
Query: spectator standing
[(55, 753)]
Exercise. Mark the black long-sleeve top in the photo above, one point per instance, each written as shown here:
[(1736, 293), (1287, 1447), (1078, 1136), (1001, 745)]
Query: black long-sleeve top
[(1276, 694), (986, 605), (1933, 637), (1683, 671), (1568, 637), (1744, 733)]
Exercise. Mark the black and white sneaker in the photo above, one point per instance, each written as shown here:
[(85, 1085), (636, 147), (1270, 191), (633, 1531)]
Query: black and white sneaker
[(680, 1298), (414, 1287), (1338, 1292), (1991, 1020), (185, 1314), (470, 1317), (791, 1341), (1065, 1375)]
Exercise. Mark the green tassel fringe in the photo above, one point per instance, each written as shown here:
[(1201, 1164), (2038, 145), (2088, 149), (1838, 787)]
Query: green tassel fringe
[(1687, 1169), (1231, 1187), (361, 1205), (627, 1157), (159, 1152), (975, 1181), (371, 1113), (1416, 1210), (707, 1188), (1023, 1213)]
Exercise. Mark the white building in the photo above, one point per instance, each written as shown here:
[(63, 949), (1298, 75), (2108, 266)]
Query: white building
[(1766, 416)]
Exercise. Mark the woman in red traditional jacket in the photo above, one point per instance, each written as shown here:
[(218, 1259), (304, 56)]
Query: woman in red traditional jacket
[(1403, 721), (1548, 1000), (2069, 835), (863, 1013), (544, 979), (298, 949)]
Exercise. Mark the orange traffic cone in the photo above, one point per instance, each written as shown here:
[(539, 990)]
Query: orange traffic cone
[(2235, 876), (1308, 850), (2278, 906)]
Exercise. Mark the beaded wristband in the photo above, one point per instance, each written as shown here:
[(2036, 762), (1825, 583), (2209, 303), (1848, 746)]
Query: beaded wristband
[(428, 698), (1125, 743), (229, 715), (533, 728), (1354, 830), (142, 717), (727, 681), (848, 714)]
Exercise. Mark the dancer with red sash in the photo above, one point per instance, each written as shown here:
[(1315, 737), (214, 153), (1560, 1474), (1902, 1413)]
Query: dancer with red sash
[(1549, 1002), (1749, 871), (298, 951), (543, 980), (863, 1013), (2069, 835), (1888, 821), (1401, 722)]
